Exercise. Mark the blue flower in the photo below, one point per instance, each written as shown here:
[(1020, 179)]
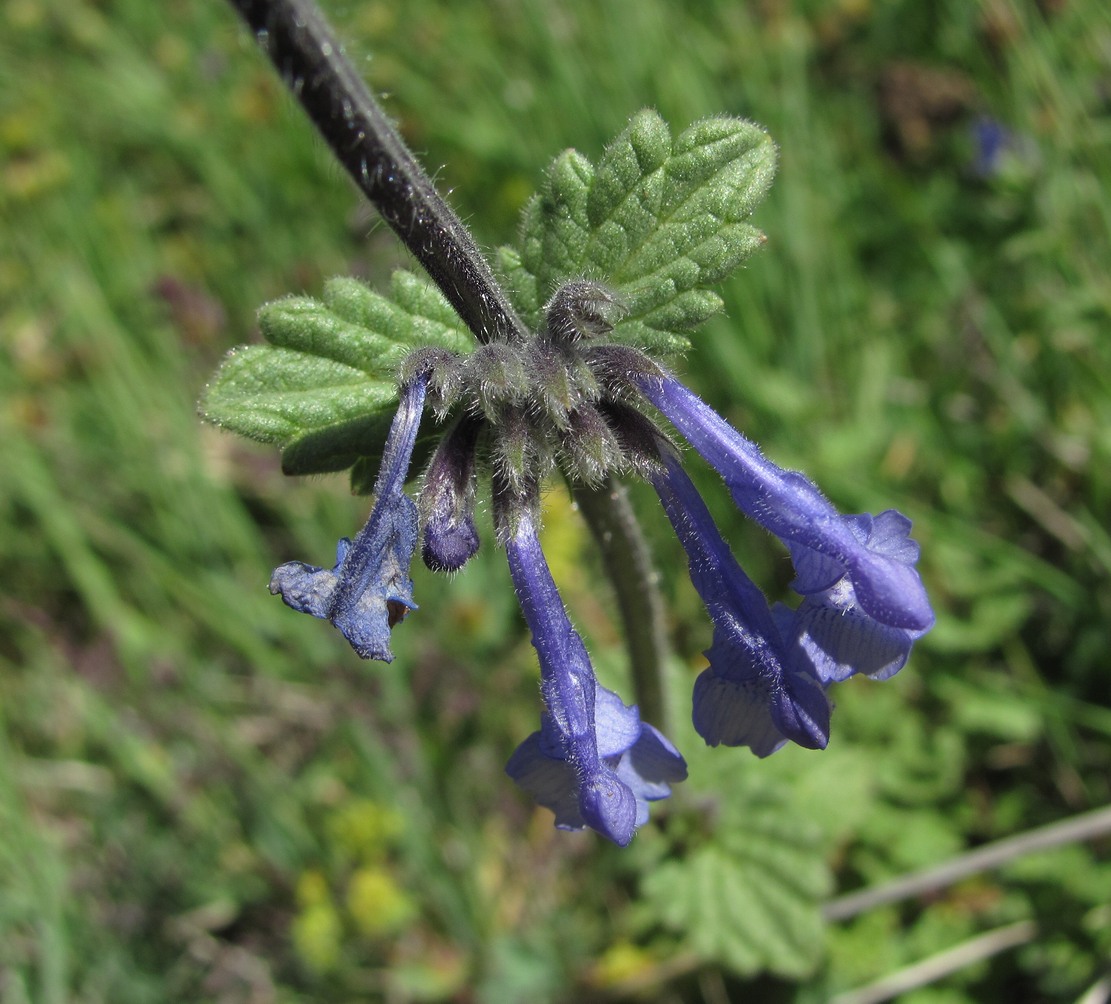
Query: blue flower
[(863, 603), (760, 688), (827, 546), (368, 590), (1000, 152), (991, 139), (593, 762)]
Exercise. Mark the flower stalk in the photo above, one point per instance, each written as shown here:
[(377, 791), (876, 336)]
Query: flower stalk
[(628, 565)]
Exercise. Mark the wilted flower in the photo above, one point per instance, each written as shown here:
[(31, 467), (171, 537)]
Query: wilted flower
[(369, 589)]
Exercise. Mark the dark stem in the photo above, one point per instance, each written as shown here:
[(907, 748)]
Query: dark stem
[(298, 40), (628, 564)]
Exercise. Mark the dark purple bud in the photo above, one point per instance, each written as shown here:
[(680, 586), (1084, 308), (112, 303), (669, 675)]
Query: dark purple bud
[(447, 499)]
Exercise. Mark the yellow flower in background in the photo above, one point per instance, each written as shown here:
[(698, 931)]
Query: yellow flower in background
[(317, 935), (621, 962), (364, 829), (377, 904)]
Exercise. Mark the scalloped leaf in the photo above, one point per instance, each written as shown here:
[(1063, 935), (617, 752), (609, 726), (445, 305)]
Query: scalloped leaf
[(324, 388), (658, 220), (750, 899)]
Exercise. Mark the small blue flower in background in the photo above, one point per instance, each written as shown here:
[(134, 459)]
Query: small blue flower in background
[(999, 151), (990, 139), (568, 400)]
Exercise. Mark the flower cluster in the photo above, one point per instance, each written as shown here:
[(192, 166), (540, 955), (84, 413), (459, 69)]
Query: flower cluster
[(569, 399)]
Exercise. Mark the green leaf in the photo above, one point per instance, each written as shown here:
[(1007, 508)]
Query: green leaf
[(325, 387), (659, 220), (749, 898)]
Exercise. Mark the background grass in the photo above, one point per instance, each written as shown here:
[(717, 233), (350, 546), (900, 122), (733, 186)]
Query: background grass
[(205, 797)]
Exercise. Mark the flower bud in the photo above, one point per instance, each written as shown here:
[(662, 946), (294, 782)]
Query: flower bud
[(447, 499), (579, 309)]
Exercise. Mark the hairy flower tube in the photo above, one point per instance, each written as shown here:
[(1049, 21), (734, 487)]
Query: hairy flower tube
[(593, 762), (761, 688), (570, 400), (827, 548)]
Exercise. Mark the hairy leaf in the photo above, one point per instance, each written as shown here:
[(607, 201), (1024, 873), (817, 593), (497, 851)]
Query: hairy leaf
[(749, 899), (658, 220), (325, 386)]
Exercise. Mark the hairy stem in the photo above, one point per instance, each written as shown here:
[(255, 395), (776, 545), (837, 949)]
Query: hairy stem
[(298, 40), (628, 564)]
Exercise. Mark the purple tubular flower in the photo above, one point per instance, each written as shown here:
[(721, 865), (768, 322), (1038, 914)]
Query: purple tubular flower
[(447, 500), (760, 688), (369, 589), (593, 762), (823, 543)]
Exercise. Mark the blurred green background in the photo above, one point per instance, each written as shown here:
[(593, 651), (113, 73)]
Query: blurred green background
[(204, 797)]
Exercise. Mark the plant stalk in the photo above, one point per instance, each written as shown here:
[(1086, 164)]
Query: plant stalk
[(628, 565), (300, 43), (1086, 826)]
